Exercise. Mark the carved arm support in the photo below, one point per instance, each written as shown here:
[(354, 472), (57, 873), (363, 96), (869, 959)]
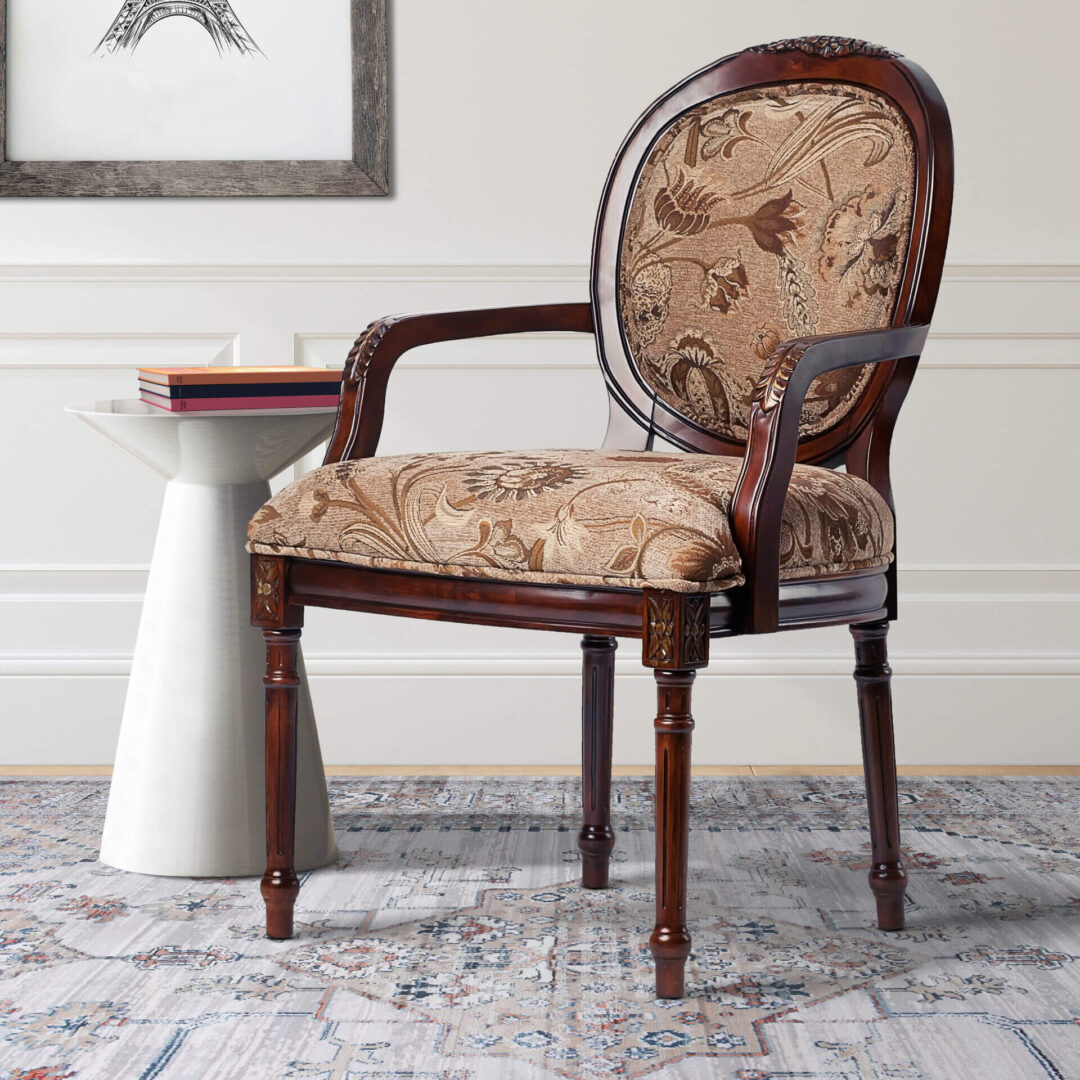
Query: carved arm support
[(372, 358), (758, 502)]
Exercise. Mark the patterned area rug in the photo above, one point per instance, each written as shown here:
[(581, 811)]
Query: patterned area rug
[(452, 942)]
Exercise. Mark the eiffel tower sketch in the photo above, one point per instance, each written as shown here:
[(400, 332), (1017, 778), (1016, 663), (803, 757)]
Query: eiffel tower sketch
[(216, 17)]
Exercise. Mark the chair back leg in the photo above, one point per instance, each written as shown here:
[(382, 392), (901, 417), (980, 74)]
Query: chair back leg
[(596, 839), (872, 674), (280, 884)]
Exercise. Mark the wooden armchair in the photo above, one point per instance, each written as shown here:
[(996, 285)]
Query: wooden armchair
[(766, 261)]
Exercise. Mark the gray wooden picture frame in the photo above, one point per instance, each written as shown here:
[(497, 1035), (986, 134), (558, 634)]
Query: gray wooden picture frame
[(364, 174)]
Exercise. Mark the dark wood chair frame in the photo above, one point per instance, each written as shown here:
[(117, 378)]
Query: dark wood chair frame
[(675, 628)]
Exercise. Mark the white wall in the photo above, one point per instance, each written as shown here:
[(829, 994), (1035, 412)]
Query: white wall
[(505, 116)]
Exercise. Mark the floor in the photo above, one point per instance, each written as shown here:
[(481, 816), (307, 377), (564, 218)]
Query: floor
[(452, 942)]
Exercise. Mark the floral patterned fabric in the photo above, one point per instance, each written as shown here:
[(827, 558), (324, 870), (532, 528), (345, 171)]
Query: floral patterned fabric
[(576, 517), (761, 216)]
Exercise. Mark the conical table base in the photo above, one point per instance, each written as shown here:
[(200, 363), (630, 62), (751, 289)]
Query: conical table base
[(188, 789)]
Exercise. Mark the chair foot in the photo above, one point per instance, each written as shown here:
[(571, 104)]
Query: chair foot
[(595, 864), (670, 950), (888, 882), (279, 893)]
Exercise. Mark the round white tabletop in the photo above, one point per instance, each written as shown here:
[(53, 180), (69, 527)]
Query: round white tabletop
[(188, 790)]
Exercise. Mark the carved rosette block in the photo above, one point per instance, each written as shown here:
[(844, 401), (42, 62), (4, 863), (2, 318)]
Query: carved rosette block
[(267, 590), (676, 630), (828, 48)]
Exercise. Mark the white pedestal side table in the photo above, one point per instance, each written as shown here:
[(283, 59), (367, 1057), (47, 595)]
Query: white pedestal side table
[(188, 787)]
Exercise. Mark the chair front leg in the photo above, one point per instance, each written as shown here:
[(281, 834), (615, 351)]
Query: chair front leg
[(280, 885), (596, 839), (670, 941), (872, 673), (675, 642)]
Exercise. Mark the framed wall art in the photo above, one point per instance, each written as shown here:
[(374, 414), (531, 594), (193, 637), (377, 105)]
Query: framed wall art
[(193, 97)]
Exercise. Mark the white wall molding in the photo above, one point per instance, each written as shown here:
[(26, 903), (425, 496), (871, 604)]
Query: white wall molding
[(989, 634), (105, 350), (51, 582)]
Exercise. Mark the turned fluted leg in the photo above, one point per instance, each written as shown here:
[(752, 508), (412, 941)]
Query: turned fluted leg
[(596, 838), (280, 884), (872, 673), (675, 641), (670, 941)]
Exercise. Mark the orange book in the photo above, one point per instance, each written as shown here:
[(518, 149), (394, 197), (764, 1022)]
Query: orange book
[(225, 376)]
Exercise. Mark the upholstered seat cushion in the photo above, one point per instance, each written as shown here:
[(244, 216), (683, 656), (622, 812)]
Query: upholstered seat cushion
[(574, 517)]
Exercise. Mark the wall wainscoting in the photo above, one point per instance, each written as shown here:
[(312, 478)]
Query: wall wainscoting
[(986, 655)]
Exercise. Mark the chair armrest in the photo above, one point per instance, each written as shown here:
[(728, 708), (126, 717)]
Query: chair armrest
[(372, 358), (771, 447)]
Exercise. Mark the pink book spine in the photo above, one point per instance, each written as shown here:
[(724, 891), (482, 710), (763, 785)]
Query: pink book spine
[(227, 404)]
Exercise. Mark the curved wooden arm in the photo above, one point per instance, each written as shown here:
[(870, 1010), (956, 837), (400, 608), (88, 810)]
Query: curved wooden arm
[(758, 504), (372, 358)]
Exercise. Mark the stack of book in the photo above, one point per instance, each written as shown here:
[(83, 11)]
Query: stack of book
[(213, 389)]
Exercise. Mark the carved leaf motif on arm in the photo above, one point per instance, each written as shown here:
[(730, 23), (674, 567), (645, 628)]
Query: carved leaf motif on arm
[(827, 47), (363, 351), (769, 391)]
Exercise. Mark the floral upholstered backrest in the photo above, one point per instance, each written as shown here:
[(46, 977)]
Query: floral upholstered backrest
[(759, 216)]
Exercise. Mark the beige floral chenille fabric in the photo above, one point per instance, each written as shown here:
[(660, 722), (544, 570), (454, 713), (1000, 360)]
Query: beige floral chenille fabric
[(761, 216), (574, 517)]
